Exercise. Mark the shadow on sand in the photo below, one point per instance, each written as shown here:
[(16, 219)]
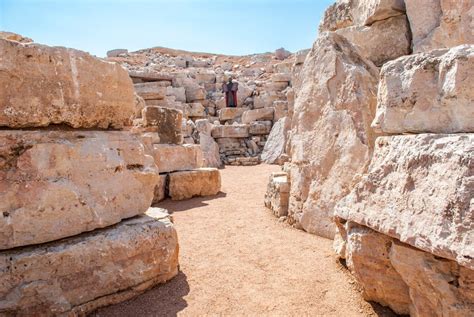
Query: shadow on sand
[(174, 206)]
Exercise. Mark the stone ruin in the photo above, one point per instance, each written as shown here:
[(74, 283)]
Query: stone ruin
[(77, 181), (192, 83), (382, 150)]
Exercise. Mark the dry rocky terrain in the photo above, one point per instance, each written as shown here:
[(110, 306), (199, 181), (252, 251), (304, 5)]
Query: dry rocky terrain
[(371, 133)]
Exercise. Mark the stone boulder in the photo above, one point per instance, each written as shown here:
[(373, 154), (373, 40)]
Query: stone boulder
[(282, 54), (170, 157), (198, 182), (274, 150), (257, 115), (44, 85), (419, 190), (230, 131), (152, 90), (277, 195), (428, 92), (440, 23), (209, 147), (116, 52), (260, 127), (167, 121), (332, 141), (230, 113), (77, 275), (55, 184)]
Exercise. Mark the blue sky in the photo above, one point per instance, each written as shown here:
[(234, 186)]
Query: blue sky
[(219, 26)]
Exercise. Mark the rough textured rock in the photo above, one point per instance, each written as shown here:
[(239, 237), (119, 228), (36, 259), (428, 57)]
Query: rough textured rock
[(440, 23), (260, 127), (428, 92), (277, 195), (151, 90), (79, 274), (82, 91), (382, 41), (230, 113), (160, 189), (419, 189), (230, 131), (368, 259), (199, 182), (257, 115), (438, 287), (332, 141), (14, 37), (55, 184), (170, 157), (168, 123), (116, 52), (274, 150)]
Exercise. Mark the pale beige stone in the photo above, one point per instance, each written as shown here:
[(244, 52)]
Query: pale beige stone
[(277, 195), (368, 259), (230, 131), (382, 41), (440, 23), (168, 122), (428, 92), (44, 85), (178, 92), (170, 157), (257, 115), (230, 113), (148, 75), (281, 77), (419, 189), (198, 182), (14, 37), (264, 100), (332, 141), (160, 189), (274, 150), (260, 127), (151, 90), (77, 275), (195, 109), (55, 184)]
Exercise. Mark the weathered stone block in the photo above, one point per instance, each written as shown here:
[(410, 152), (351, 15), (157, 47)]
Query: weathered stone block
[(151, 90), (230, 113), (160, 189), (428, 92), (44, 85), (277, 195), (274, 150), (419, 189), (170, 158), (55, 184), (199, 182), (167, 120), (257, 115), (77, 275), (260, 127), (230, 131)]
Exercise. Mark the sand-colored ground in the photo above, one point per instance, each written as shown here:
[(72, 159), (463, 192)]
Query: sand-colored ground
[(237, 259)]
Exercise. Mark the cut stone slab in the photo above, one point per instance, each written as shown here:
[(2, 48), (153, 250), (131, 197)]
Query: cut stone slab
[(428, 92), (332, 142), (44, 85), (260, 127), (168, 121), (55, 184), (257, 115), (77, 275), (274, 150), (195, 109), (230, 131), (277, 195), (199, 182), (170, 158), (146, 75), (230, 113), (151, 90), (419, 190), (440, 23)]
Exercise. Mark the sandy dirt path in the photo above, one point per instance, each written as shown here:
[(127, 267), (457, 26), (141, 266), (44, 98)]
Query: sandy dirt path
[(236, 258)]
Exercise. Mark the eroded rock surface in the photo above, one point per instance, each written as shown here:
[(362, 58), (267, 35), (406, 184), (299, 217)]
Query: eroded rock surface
[(198, 182), (170, 158)]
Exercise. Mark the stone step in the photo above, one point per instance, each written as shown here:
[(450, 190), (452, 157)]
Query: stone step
[(197, 182)]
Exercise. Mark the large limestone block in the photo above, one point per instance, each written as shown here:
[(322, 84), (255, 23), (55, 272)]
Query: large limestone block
[(368, 259), (230, 113), (195, 109), (440, 23), (438, 287), (178, 92), (77, 275), (210, 151), (276, 143), (332, 141), (44, 85), (168, 122), (230, 131), (264, 100), (419, 189), (428, 92), (277, 195), (55, 184), (382, 41), (198, 182), (170, 157), (151, 90), (260, 127), (160, 189), (257, 115)]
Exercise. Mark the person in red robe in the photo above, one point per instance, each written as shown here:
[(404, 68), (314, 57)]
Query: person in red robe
[(230, 89)]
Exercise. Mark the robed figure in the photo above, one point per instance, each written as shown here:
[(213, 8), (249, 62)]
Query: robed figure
[(230, 89)]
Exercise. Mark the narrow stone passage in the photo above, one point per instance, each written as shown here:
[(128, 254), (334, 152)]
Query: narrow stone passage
[(237, 259)]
